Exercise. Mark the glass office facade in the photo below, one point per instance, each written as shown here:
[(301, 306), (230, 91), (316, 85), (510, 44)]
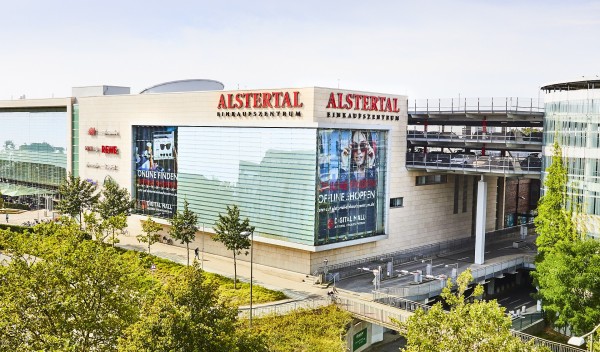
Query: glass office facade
[(575, 125), (33, 151)]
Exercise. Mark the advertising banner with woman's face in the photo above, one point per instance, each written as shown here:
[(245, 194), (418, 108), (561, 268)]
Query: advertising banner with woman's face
[(351, 184), (155, 157)]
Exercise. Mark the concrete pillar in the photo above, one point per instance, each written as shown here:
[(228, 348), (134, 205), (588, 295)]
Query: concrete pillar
[(376, 333), (480, 221), (519, 277), (491, 286)]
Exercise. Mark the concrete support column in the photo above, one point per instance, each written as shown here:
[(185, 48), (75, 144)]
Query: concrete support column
[(491, 286), (519, 277), (480, 221)]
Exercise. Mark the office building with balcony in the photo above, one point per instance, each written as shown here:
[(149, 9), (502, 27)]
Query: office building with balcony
[(573, 120)]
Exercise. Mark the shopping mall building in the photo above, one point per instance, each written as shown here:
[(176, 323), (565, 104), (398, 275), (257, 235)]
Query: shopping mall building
[(321, 173)]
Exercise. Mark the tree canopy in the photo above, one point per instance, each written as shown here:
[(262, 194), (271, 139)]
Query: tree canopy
[(76, 195), (188, 316), (554, 221), (72, 295), (478, 326), (150, 232), (113, 201), (184, 226), (568, 284), (567, 265), (229, 230)]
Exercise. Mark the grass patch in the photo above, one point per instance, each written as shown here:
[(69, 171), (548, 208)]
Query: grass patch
[(167, 269)]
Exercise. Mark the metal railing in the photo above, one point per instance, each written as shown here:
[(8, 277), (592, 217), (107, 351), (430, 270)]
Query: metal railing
[(284, 308), (553, 346), (497, 164), (489, 137), (434, 287), (398, 302), (525, 320), (373, 312), (477, 105), (349, 269)]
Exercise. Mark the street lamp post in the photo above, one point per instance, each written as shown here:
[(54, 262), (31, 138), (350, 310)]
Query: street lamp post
[(580, 340), (251, 234)]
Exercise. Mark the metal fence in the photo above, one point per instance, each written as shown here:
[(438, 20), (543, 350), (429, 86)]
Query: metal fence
[(553, 346), (523, 321), (376, 313), (478, 163), (349, 269), (398, 302), (284, 308), (481, 137), (434, 287), (464, 105)]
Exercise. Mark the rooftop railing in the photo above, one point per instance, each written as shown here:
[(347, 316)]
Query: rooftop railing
[(476, 137), (434, 287), (476, 105), (475, 163)]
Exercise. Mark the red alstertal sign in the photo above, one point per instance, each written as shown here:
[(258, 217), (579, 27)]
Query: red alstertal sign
[(278, 100), (351, 101), (92, 131)]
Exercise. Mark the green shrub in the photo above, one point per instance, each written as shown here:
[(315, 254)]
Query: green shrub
[(16, 206)]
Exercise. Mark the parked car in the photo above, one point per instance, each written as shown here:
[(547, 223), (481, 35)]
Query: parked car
[(461, 160), (531, 162), (438, 159), (482, 161)]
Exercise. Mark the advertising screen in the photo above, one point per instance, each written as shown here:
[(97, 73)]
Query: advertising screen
[(155, 158), (351, 185)]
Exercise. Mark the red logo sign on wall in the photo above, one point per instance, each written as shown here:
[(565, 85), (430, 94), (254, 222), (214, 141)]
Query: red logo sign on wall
[(92, 131), (260, 100), (110, 149), (362, 102)]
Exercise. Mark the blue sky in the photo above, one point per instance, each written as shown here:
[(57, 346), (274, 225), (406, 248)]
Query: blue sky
[(426, 49)]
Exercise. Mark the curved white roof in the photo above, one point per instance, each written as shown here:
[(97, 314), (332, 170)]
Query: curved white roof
[(186, 85)]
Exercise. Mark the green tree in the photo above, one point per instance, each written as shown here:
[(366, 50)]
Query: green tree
[(188, 316), (568, 284), (183, 227), (478, 326), (80, 297), (113, 201), (554, 222), (76, 195), (106, 230), (288, 333), (228, 230), (151, 230)]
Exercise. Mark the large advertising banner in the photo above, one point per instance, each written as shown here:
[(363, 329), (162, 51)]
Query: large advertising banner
[(155, 157), (350, 187)]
